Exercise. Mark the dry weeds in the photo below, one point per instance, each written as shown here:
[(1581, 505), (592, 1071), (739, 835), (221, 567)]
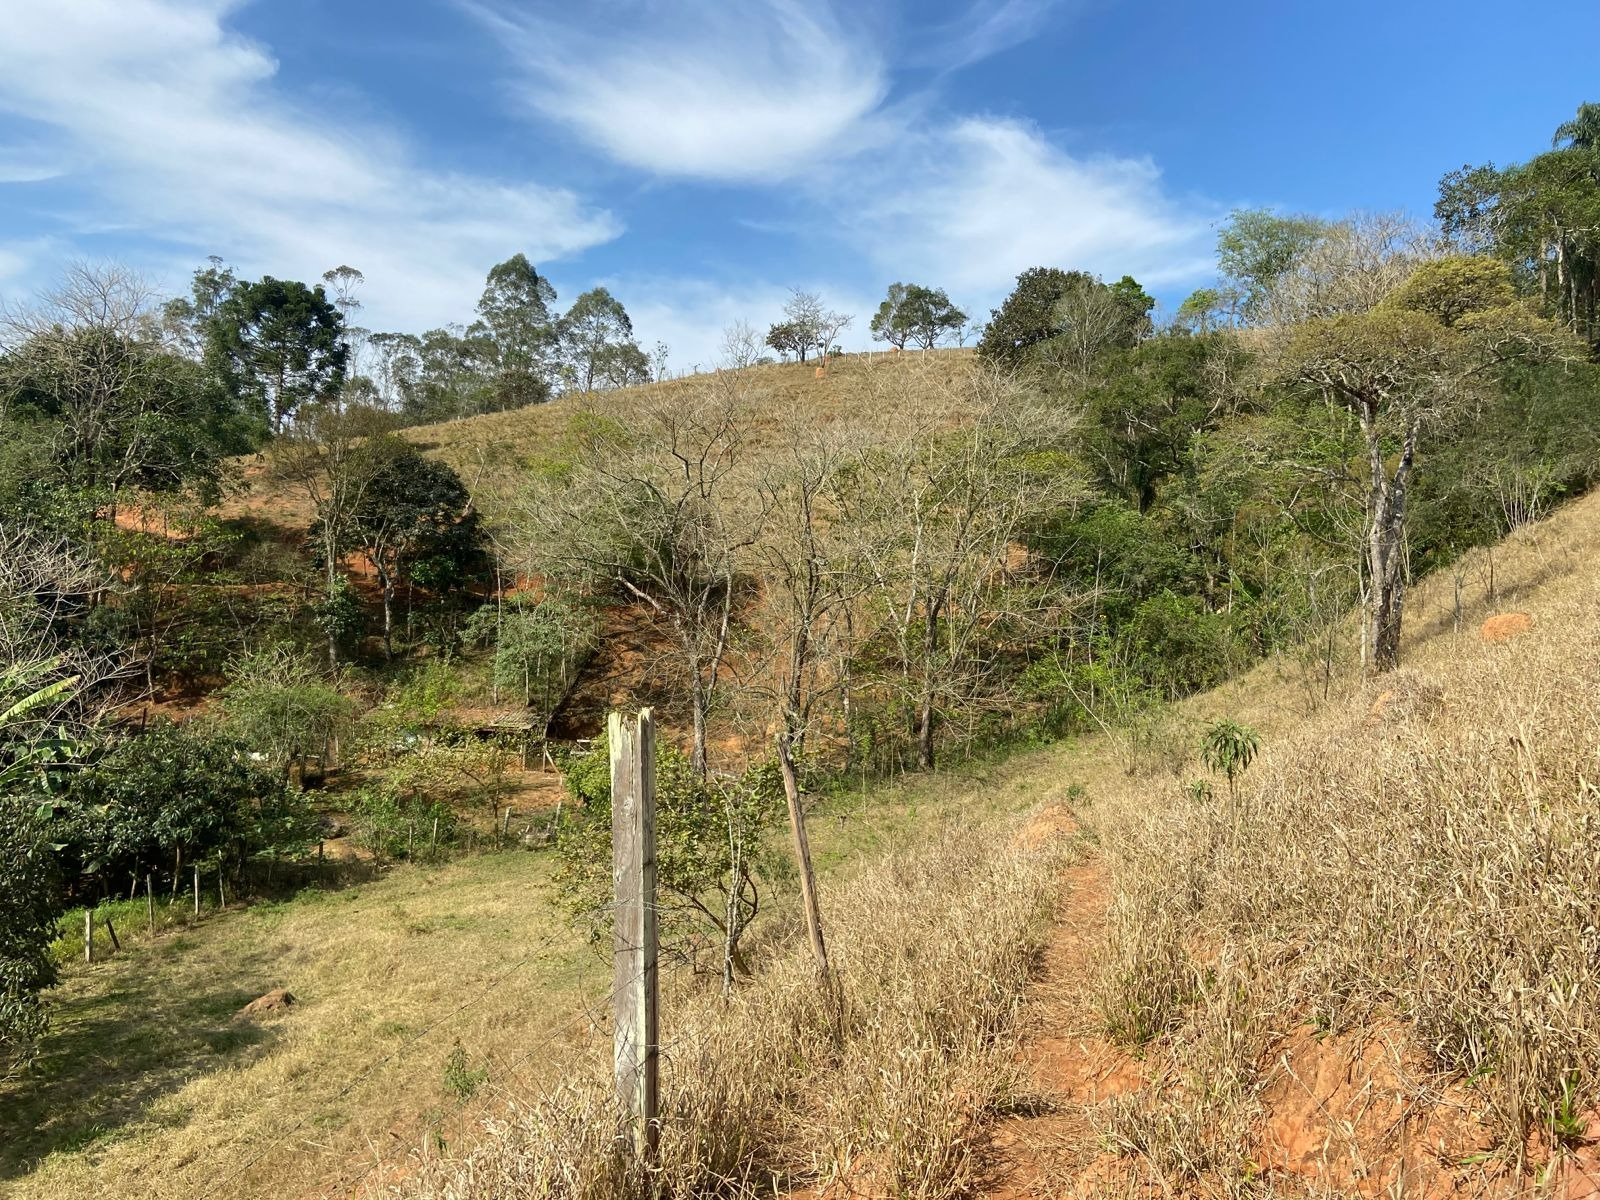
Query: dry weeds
[(1420, 852), (887, 1085)]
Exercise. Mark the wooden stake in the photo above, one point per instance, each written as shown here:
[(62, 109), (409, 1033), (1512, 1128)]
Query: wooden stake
[(197, 889), (222, 896), (802, 856), (505, 829), (634, 991), (88, 935), (111, 929), (150, 900)]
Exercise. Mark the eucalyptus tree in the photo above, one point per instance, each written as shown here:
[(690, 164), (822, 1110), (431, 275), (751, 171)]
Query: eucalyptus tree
[(911, 313), (516, 325), (597, 344)]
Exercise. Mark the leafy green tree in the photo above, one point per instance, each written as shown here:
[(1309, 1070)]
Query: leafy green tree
[(277, 346), (172, 796), (1257, 246), (787, 338), (713, 849), (539, 647), (276, 706), (913, 313), (518, 332), (1142, 413), (1028, 315), (414, 516), (597, 344), (1542, 217), (1202, 311), (1401, 368)]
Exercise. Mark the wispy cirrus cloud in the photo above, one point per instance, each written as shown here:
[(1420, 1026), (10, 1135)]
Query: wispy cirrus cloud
[(176, 130), (985, 29), (753, 91), (774, 95)]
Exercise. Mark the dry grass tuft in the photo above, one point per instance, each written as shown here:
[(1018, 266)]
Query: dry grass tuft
[(887, 1083), (1423, 852)]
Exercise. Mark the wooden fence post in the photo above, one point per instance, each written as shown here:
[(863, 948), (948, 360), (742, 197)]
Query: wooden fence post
[(150, 900), (88, 935), (197, 889), (505, 830), (634, 991)]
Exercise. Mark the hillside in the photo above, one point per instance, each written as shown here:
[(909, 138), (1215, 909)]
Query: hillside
[(490, 450), (1220, 1001), (1369, 977)]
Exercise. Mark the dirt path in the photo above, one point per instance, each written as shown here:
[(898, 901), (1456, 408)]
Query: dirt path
[(1051, 1149), (1340, 1116)]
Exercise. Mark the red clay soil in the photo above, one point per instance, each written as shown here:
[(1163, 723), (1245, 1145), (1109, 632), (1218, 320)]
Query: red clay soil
[(1343, 1116)]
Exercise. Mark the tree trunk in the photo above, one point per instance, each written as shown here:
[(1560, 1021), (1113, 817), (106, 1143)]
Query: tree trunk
[(802, 856), (1386, 513), (925, 711), (388, 613), (700, 702)]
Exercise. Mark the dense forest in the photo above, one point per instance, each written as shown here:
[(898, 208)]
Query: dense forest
[(243, 604)]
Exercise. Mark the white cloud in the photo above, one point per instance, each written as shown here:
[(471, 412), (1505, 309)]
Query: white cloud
[(968, 206), (690, 315), (755, 90), (183, 137), (984, 30), (27, 164)]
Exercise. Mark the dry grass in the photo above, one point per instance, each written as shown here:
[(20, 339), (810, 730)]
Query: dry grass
[(886, 1082), (1421, 850), (149, 1087), (490, 451)]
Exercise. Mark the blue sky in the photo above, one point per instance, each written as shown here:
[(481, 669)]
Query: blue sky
[(702, 158)]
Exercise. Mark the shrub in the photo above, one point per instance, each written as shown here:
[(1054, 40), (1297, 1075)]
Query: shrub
[(711, 847)]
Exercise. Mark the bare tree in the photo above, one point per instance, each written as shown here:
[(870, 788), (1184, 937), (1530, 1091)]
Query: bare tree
[(1349, 268), (936, 514), (1089, 319), (45, 584), (808, 580), (656, 515), (741, 346), (94, 344)]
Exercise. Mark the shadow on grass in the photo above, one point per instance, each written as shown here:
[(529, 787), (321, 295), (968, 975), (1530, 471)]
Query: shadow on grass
[(120, 1040)]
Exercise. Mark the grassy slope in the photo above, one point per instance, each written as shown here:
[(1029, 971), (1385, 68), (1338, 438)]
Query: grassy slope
[(151, 1088), (488, 450)]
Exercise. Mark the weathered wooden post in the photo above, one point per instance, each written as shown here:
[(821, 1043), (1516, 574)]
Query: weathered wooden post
[(634, 991), (197, 889), (88, 935), (505, 829), (150, 900)]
